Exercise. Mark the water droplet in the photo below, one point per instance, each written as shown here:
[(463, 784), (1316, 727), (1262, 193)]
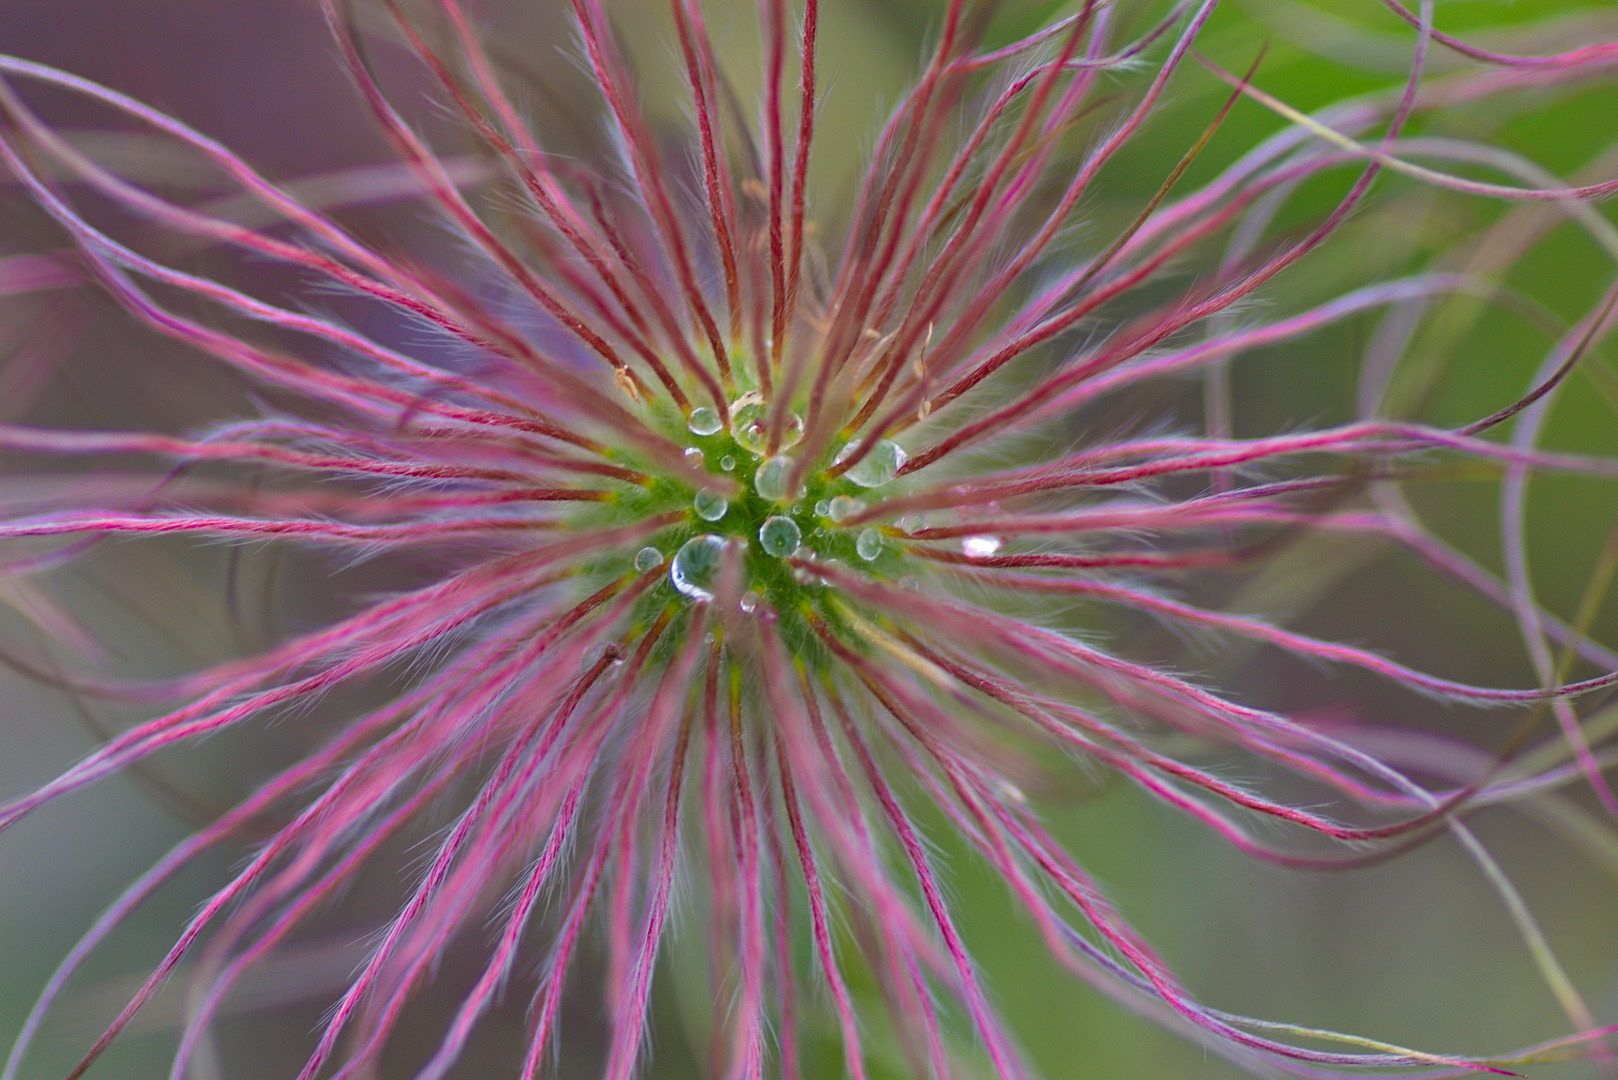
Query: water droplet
[(749, 602), (746, 420), (727, 463), (822, 507), (693, 568), (693, 455), (875, 468), (704, 421), (648, 557), (779, 536), (710, 505), (869, 545), (980, 547), (844, 506), (750, 421), (1011, 792), (909, 582), (772, 477)]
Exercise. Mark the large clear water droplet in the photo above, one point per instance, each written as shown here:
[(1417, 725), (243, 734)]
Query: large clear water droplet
[(710, 505), (980, 547), (646, 558), (779, 536), (704, 421), (749, 602), (876, 468), (772, 477), (693, 455), (869, 545), (750, 423), (727, 463), (694, 566)]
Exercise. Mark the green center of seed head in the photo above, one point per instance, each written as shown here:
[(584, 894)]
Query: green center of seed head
[(770, 522)]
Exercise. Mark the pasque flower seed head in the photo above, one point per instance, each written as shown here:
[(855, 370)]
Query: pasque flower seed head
[(752, 545)]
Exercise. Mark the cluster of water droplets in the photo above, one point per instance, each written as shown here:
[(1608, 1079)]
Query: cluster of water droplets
[(693, 568)]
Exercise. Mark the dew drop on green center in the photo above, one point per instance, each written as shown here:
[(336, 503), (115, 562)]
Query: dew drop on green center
[(695, 565), (710, 505), (869, 545), (779, 536), (704, 421), (772, 477), (842, 507), (750, 418)]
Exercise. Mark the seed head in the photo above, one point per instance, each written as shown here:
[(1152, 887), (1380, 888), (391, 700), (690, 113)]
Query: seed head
[(744, 556)]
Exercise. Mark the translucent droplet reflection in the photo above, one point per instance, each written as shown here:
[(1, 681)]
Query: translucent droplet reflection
[(704, 421), (695, 564), (843, 506), (710, 505), (647, 558), (771, 479), (869, 545), (750, 423), (779, 536), (876, 468)]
